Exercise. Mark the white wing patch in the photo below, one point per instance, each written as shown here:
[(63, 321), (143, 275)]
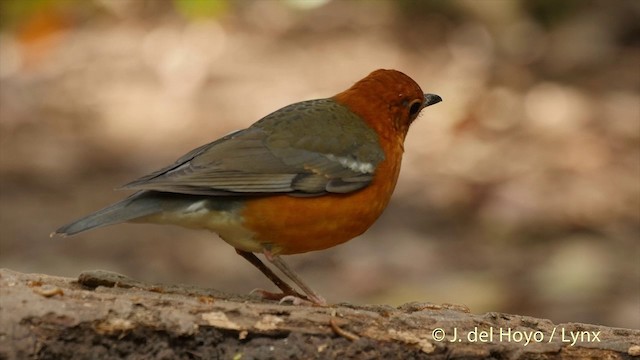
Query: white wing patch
[(351, 164), (197, 207)]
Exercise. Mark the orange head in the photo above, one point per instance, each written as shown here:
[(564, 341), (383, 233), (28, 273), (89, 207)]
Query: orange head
[(388, 100)]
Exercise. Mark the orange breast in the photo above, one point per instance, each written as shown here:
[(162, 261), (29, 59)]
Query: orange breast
[(291, 225)]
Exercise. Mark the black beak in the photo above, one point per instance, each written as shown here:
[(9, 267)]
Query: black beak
[(430, 99)]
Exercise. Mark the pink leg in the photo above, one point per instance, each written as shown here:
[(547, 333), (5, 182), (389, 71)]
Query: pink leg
[(282, 266)]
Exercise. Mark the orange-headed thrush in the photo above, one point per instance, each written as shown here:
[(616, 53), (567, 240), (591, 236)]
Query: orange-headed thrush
[(307, 177)]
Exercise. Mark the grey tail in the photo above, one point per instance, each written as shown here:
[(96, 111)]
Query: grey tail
[(140, 204)]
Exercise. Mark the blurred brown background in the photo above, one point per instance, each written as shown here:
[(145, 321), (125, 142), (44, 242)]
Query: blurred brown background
[(519, 193)]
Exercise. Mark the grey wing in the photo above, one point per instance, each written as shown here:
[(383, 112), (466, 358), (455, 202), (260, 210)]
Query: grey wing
[(283, 156)]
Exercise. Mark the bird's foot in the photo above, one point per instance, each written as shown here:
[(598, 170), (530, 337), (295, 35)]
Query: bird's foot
[(297, 301), (294, 299)]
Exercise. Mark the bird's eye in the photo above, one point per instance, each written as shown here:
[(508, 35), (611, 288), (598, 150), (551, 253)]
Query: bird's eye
[(415, 107)]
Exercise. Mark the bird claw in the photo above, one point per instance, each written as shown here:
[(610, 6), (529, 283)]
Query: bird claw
[(268, 295), (294, 299), (265, 294)]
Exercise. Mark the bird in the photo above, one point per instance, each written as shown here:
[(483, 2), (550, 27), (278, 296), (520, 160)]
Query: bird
[(307, 177)]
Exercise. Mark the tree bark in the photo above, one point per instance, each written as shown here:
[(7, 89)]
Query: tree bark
[(103, 315)]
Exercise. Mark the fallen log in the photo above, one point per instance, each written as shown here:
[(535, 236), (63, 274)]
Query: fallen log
[(102, 315)]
